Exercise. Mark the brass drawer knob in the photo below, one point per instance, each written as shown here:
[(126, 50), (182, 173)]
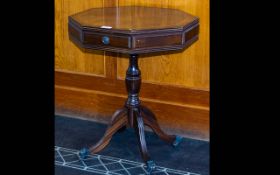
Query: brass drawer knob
[(105, 40)]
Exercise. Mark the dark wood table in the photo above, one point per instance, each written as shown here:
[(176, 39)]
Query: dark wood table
[(133, 31)]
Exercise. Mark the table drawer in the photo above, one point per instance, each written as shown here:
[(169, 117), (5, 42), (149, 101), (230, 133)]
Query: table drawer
[(104, 39)]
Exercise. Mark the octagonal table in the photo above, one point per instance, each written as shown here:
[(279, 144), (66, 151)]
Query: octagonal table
[(133, 30)]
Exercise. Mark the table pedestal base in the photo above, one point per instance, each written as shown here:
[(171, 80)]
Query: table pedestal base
[(135, 116)]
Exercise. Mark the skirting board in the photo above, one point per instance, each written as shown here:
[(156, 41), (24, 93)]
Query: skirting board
[(187, 120)]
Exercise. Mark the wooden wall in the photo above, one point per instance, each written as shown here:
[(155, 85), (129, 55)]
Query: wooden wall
[(91, 85)]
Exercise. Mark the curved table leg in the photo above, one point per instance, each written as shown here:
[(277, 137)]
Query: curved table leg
[(122, 111), (118, 121), (139, 129), (148, 112), (151, 121), (117, 114)]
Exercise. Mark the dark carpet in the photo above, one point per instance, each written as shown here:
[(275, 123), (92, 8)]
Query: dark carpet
[(191, 155)]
